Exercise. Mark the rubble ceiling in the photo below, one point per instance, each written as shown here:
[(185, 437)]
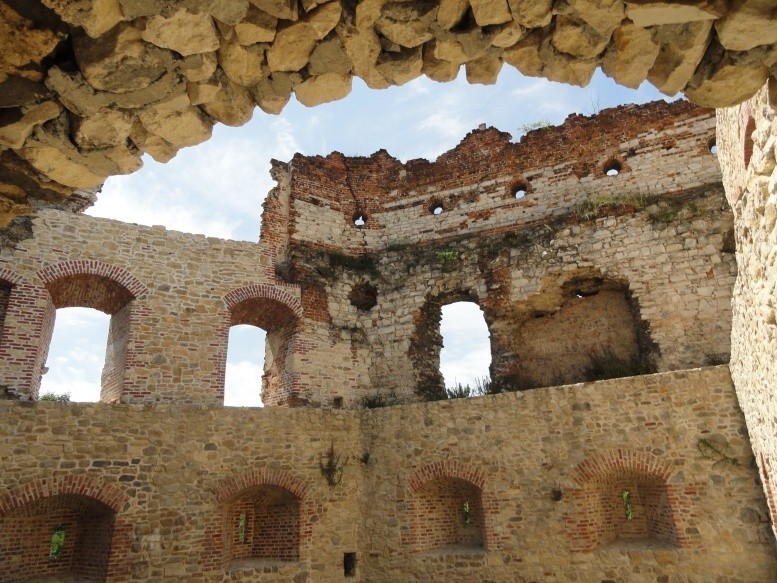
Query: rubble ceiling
[(88, 86)]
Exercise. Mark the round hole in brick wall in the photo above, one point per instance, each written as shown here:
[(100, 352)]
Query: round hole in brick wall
[(612, 168), (436, 208), (359, 219), (520, 190), (363, 296), (712, 146)]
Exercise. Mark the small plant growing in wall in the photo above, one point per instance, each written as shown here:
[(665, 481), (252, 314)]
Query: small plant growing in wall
[(331, 466), (466, 514), (241, 527), (628, 508), (63, 398), (57, 542), (447, 260)]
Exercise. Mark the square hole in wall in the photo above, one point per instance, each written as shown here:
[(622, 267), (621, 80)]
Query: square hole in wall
[(349, 564), (337, 402)]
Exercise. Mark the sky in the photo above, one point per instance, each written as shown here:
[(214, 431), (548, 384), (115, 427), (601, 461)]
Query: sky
[(217, 188)]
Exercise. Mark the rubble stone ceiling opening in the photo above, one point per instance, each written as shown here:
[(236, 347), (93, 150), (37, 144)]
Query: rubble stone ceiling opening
[(88, 87)]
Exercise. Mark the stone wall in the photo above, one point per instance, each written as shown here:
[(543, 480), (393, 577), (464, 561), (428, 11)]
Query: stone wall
[(527, 463), (748, 136)]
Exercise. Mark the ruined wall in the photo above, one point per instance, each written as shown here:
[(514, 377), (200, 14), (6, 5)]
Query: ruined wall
[(748, 139), (530, 457)]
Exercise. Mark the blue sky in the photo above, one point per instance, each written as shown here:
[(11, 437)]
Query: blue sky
[(217, 189)]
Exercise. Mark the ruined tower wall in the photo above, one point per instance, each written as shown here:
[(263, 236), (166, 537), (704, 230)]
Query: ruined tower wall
[(748, 140)]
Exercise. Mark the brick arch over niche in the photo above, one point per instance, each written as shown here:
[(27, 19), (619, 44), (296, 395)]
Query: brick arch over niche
[(623, 498), (262, 516), (109, 289), (448, 511), (81, 510), (278, 313)]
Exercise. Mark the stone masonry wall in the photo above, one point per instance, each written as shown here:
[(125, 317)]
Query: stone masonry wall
[(530, 457), (748, 139)]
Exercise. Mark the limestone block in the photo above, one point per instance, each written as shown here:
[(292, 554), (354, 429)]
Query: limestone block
[(242, 64), (531, 13), (435, 69), (450, 12), (293, 44), (119, 61), (200, 93), (724, 79), (406, 24), (682, 48), (488, 12), (257, 27), (272, 93), (630, 55), (399, 68), (645, 14), (363, 48), (233, 105), (182, 32), (323, 89), (574, 37), (283, 9), (153, 145), (15, 91), (55, 164), (14, 134), (106, 128), (329, 56), (604, 16), (484, 70), (367, 13), (564, 68), (199, 67), (23, 44), (507, 35), (96, 17), (461, 47), (183, 128), (9, 210), (748, 24), (227, 11), (525, 55)]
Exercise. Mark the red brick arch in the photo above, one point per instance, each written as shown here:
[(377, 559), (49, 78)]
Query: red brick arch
[(100, 490), (446, 469), (12, 277), (230, 487), (263, 291), (114, 273), (601, 465)]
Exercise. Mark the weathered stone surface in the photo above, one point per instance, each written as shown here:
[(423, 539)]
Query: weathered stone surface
[(737, 75), (14, 134), (363, 48), (159, 149), (323, 89), (96, 17), (574, 37), (525, 56), (233, 104), (15, 91), (604, 16), (9, 210), (330, 57), (484, 70), (199, 67), (257, 27), (437, 70), (450, 12), (645, 14), (406, 24), (488, 12), (399, 68), (242, 64), (507, 35), (630, 56), (182, 128), (565, 68), (184, 33), (283, 9), (273, 93), (682, 48), (103, 129), (747, 24), (459, 48), (24, 45), (118, 61), (293, 44), (52, 162), (531, 13)]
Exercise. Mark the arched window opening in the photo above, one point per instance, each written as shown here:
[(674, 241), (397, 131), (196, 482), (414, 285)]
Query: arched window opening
[(64, 537), (5, 296), (589, 328), (465, 356), (447, 517), (78, 365), (628, 508), (245, 363), (261, 525), (279, 323)]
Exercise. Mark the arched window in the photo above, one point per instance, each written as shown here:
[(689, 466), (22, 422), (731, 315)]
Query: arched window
[(105, 288), (447, 516), (66, 535), (466, 348), (261, 525), (255, 306)]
